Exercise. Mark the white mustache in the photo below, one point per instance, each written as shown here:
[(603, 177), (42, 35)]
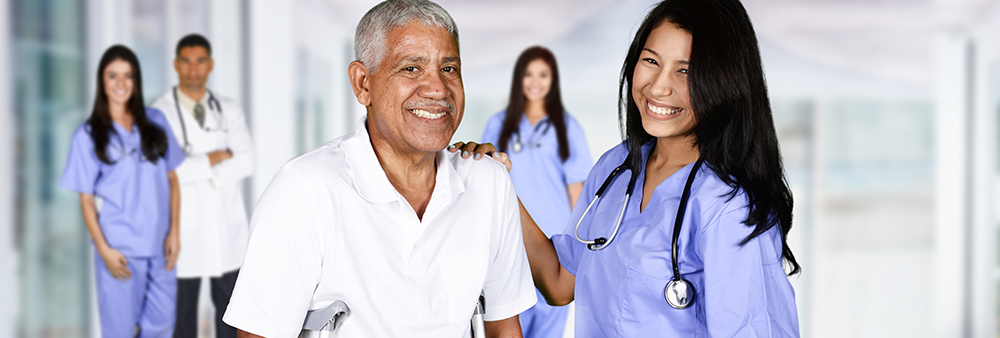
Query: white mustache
[(426, 103)]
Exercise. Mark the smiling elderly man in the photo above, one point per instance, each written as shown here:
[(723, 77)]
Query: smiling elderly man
[(405, 233)]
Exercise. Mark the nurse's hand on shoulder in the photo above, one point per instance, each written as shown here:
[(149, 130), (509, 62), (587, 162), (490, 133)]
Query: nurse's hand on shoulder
[(116, 263), (477, 151), (171, 249)]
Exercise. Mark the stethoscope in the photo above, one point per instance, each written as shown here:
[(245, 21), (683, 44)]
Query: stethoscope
[(678, 292), (533, 141), (211, 101)]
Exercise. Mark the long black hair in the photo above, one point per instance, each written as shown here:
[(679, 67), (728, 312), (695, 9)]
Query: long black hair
[(553, 100), (735, 131), (154, 139)]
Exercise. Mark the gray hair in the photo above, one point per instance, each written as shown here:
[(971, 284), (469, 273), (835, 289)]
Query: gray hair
[(369, 38)]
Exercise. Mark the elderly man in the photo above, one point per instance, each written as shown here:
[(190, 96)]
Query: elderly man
[(407, 234)]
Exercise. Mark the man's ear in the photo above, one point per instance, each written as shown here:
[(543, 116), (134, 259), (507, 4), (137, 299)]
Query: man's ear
[(177, 65), (359, 82)]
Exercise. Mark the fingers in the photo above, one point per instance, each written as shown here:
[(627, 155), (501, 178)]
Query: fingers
[(456, 146), (469, 149), (121, 272), (502, 158)]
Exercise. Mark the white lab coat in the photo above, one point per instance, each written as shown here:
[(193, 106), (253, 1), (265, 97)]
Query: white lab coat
[(213, 225)]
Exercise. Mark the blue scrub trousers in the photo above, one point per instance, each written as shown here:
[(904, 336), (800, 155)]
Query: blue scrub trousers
[(543, 320), (148, 299)]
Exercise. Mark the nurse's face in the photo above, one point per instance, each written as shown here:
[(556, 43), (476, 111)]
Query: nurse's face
[(118, 82), (415, 99), (537, 80), (660, 83)]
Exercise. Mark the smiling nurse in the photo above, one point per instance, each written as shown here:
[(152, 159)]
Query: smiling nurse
[(680, 231)]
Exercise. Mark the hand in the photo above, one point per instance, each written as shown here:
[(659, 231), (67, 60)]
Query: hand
[(116, 263), (218, 156), (478, 150), (171, 249)]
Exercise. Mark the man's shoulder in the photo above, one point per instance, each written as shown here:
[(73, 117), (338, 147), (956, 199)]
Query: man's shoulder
[(476, 171), (324, 163), (226, 101)]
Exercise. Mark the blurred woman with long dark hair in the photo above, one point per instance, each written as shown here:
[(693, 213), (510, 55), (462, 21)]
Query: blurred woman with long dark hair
[(552, 159), (121, 161)]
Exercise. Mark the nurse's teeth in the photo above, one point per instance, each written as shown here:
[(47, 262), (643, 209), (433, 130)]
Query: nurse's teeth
[(663, 111), (427, 115)]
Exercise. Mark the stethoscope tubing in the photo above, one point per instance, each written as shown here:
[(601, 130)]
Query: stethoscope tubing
[(600, 243), (517, 142), (177, 107)]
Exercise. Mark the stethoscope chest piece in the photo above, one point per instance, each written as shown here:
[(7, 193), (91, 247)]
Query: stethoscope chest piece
[(679, 293), (517, 147)]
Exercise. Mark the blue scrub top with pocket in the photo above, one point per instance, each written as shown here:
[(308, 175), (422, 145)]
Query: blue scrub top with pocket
[(539, 175), (740, 291), (135, 212)]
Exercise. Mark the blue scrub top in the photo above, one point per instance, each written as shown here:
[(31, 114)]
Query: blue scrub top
[(741, 291), (538, 173), (135, 214)]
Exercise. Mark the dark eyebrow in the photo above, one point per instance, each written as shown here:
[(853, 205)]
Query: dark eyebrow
[(682, 62), (412, 59), (450, 59)]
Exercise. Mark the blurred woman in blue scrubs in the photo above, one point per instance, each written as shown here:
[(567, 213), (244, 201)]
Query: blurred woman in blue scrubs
[(696, 114), (552, 159), (121, 161)]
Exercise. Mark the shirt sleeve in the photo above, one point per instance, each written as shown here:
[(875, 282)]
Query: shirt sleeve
[(175, 155), (83, 168), (283, 261), (746, 292), (577, 166), (239, 142), (491, 134), (509, 288)]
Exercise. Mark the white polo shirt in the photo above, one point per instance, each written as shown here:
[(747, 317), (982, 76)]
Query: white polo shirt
[(331, 227)]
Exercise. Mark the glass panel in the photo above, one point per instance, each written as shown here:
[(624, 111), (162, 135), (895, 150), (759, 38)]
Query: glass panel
[(52, 240)]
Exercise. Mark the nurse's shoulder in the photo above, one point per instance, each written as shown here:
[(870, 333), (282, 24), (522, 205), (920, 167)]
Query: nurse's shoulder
[(717, 199), (81, 136), (155, 115)]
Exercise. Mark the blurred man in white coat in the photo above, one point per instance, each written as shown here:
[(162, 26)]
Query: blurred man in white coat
[(213, 225)]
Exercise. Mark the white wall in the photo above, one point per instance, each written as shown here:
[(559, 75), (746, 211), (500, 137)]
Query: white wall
[(950, 302), (272, 96), (8, 254)]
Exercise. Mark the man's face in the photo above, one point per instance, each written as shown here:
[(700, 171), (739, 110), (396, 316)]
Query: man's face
[(193, 65), (415, 99)]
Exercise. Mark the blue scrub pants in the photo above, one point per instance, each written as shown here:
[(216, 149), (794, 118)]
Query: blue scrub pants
[(148, 299), (543, 320)]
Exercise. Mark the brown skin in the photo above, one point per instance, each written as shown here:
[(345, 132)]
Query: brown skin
[(422, 70), (194, 65)]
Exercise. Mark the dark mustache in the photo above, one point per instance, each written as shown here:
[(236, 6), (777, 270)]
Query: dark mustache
[(426, 103)]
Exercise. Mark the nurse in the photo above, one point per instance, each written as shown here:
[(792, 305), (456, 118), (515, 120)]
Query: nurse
[(697, 119), (121, 161), (552, 159)]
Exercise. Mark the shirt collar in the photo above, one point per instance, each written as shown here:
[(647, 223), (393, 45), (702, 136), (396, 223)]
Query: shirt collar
[(188, 103), (370, 180)]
